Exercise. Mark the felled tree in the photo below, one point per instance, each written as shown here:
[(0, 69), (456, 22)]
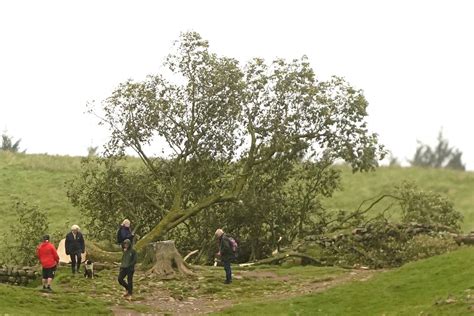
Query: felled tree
[(211, 111)]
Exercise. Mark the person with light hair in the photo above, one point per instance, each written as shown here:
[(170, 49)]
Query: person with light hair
[(75, 247), (124, 232), (225, 253)]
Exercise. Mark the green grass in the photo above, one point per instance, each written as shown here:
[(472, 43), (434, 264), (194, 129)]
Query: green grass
[(418, 288), (455, 185), (31, 301), (40, 180)]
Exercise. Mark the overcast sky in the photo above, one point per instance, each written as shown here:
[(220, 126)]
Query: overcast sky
[(413, 59)]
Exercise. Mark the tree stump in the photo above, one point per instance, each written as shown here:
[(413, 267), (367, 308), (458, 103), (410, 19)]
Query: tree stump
[(166, 260)]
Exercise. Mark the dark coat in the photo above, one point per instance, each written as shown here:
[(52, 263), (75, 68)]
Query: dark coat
[(124, 233), (75, 245), (225, 248), (129, 258)]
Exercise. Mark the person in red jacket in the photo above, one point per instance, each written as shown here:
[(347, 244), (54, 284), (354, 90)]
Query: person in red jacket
[(49, 259)]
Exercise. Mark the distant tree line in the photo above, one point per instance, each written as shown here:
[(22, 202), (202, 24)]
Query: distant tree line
[(9, 144), (440, 156)]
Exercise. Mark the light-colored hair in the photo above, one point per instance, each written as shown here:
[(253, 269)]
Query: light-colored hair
[(75, 227), (219, 232), (126, 223)]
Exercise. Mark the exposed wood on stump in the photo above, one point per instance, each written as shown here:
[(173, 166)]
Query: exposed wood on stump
[(166, 260)]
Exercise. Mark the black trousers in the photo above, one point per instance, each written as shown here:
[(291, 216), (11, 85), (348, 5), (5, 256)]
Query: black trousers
[(75, 261), (126, 272)]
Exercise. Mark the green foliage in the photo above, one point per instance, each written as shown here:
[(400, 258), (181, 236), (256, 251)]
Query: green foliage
[(222, 121), (378, 241), (107, 192), (8, 144), (427, 208), (24, 234), (442, 156)]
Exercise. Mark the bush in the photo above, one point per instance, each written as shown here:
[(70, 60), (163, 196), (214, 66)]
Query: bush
[(19, 245)]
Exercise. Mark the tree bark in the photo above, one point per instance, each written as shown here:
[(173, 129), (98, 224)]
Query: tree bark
[(96, 254), (166, 260), (282, 257)]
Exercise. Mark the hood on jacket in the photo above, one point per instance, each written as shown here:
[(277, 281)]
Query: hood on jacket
[(128, 242)]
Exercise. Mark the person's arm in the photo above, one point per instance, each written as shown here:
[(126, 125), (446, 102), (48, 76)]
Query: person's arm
[(83, 244), (134, 258), (56, 256), (225, 246), (67, 244)]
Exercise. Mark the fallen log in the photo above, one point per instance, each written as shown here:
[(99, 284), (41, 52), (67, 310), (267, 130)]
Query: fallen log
[(465, 239), (190, 254), (278, 259)]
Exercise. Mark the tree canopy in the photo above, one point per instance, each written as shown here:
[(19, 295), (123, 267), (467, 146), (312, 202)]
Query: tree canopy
[(217, 122)]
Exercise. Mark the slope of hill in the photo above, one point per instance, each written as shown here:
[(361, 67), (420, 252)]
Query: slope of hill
[(441, 285), (40, 180), (457, 186)]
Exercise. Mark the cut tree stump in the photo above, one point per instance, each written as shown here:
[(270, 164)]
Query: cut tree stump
[(167, 261)]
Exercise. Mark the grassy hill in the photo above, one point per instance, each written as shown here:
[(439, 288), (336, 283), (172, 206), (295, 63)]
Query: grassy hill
[(40, 180), (458, 186), (441, 285)]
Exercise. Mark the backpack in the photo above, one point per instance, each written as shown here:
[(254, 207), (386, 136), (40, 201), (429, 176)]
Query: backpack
[(233, 245)]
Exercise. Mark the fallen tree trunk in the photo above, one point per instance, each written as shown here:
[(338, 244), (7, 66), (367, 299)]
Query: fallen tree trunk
[(190, 254), (97, 254), (465, 239), (282, 257), (165, 259)]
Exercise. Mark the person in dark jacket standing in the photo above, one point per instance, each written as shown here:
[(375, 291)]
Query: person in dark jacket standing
[(127, 267), (75, 247), (225, 253), (49, 259), (124, 232)]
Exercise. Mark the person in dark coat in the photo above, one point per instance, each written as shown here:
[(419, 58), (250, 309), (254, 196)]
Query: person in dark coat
[(225, 253), (127, 267), (124, 232), (75, 247)]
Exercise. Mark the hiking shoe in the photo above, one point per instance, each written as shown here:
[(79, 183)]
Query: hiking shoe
[(227, 282), (49, 289)]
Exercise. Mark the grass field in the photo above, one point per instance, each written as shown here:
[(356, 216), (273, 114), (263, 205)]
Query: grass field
[(40, 180), (442, 285)]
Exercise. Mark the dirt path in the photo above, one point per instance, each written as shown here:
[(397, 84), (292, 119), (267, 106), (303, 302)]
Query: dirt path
[(162, 302)]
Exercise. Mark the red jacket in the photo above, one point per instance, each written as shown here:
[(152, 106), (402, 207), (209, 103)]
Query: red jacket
[(47, 255)]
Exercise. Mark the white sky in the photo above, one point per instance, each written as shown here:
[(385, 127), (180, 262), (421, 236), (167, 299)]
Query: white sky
[(413, 59)]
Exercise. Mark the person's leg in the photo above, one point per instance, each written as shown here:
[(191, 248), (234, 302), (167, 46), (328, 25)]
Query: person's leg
[(228, 271), (130, 281), (121, 277), (73, 262), (45, 277), (79, 258), (51, 273)]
